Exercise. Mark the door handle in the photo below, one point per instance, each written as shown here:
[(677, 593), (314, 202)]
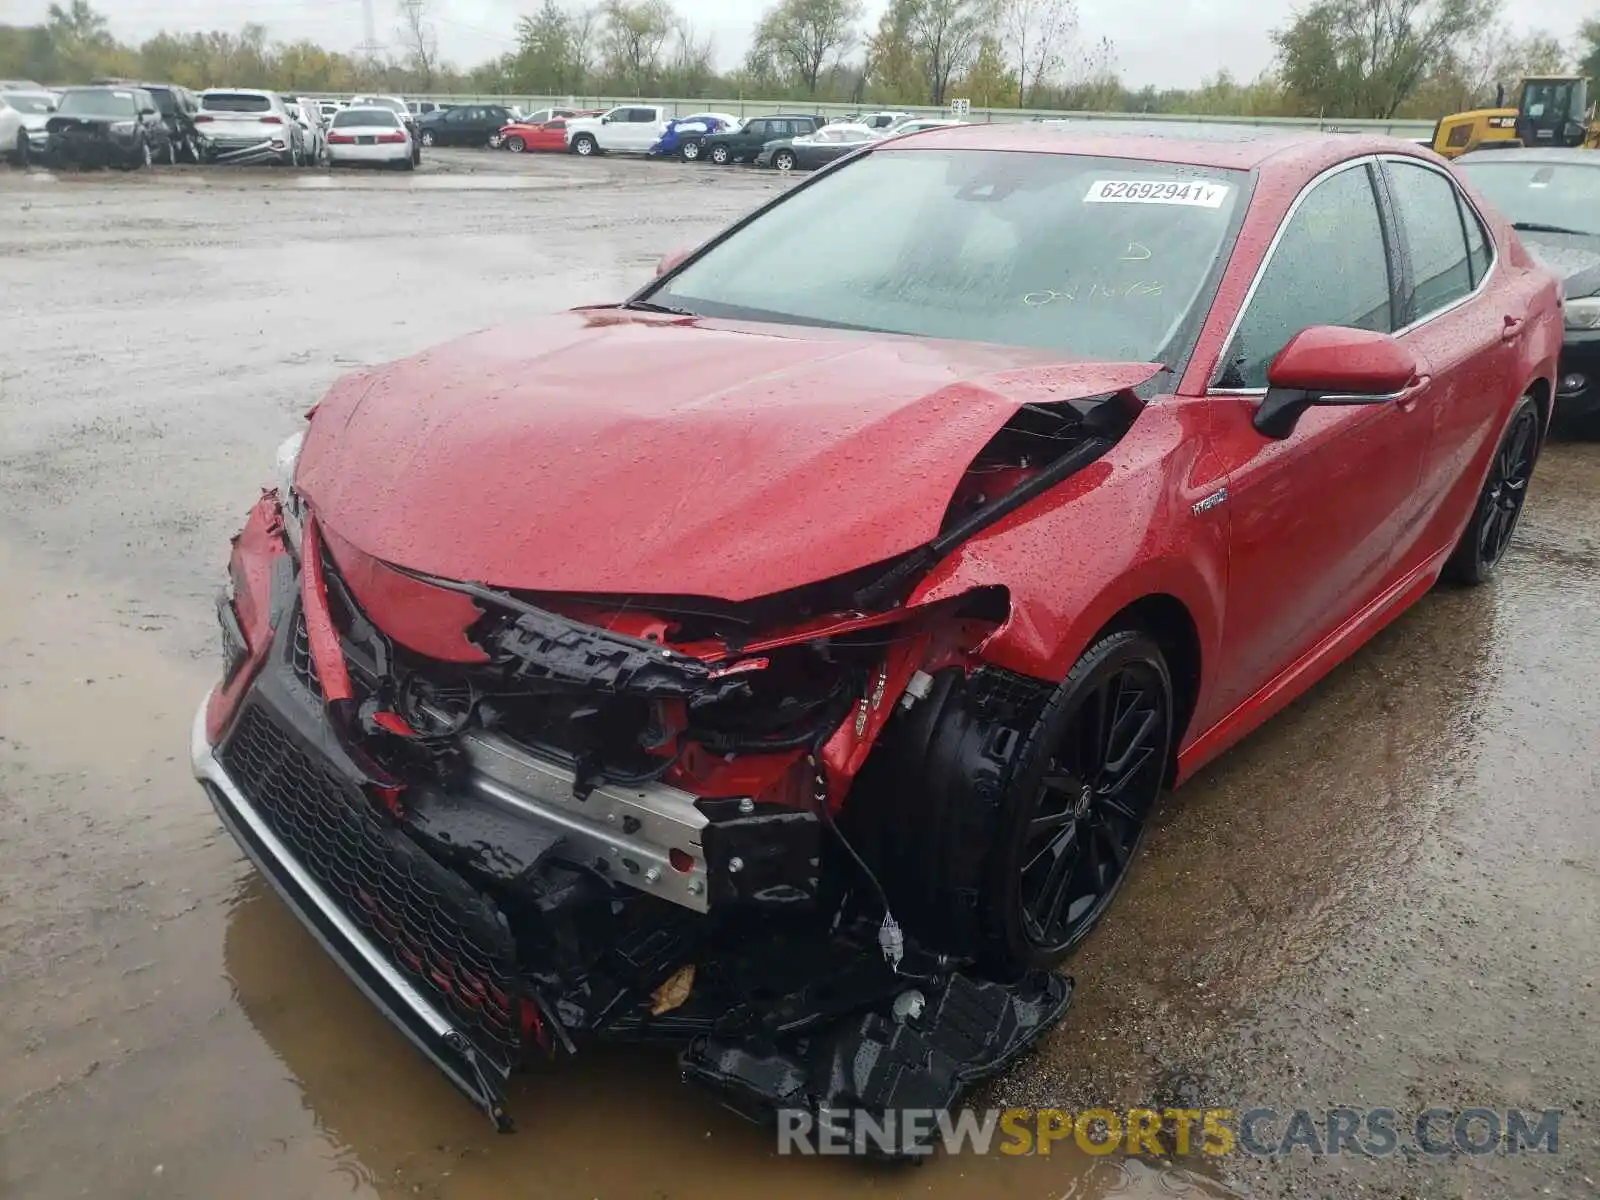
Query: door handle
[(1407, 399), (1511, 329)]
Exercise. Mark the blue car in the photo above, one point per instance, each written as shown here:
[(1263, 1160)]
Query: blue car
[(685, 136)]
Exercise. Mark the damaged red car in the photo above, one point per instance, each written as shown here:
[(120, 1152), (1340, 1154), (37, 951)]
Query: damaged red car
[(785, 662)]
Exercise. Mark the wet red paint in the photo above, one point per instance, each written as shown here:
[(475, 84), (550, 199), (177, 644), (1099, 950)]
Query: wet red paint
[(326, 652)]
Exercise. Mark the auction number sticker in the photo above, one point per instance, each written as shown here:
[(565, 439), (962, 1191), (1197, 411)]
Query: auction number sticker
[(1157, 191)]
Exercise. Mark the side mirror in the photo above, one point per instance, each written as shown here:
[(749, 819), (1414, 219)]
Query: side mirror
[(147, 112), (605, 120), (670, 261), (1330, 364)]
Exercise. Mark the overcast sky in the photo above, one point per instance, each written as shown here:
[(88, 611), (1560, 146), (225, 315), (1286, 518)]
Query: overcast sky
[(1162, 42)]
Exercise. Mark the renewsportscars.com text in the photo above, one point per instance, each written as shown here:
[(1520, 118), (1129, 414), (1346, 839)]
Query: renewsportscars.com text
[(1259, 1132)]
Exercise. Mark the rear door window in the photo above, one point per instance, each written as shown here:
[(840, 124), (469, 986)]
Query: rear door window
[(1330, 267), (1431, 216)]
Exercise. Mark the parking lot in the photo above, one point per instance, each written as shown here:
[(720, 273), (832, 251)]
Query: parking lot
[(1388, 897)]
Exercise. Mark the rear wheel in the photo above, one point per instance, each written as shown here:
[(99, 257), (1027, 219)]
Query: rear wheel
[(172, 153), (1494, 518), (784, 160), (427, 137), (515, 144), (690, 152), (19, 155)]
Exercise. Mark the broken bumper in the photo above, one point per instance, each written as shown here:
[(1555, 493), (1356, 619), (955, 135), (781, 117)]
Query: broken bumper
[(426, 906)]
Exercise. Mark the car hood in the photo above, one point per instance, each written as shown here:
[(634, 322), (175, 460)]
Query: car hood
[(1574, 258), (602, 451)]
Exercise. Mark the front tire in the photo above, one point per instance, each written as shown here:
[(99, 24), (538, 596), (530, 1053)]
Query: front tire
[(515, 144), (584, 145), (721, 155), (1013, 831), (19, 156), (427, 138), (1494, 517)]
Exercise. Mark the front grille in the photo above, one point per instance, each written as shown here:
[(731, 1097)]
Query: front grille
[(447, 938), (300, 660)]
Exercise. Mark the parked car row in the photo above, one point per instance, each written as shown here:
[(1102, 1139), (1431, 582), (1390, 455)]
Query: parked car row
[(785, 141)]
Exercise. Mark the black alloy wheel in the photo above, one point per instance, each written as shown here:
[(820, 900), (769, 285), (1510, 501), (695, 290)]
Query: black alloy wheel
[(1505, 490), (1098, 786)]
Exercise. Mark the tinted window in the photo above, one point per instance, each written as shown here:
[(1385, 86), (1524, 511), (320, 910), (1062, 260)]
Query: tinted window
[(994, 246), (1426, 201), (235, 102), (758, 128), (164, 103), (641, 116), (347, 117), (1329, 268)]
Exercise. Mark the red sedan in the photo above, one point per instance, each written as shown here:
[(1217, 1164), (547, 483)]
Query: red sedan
[(519, 137), (877, 565)]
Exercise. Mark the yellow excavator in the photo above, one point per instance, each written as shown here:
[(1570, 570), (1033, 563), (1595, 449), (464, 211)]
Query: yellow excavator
[(1550, 110)]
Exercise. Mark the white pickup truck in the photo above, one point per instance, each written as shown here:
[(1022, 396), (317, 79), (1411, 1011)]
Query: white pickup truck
[(628, 129)]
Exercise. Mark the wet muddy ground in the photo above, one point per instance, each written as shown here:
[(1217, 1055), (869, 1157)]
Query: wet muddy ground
[(1389, 897)]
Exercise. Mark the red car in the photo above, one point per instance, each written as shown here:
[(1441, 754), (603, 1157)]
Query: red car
[(522, 136), (789, 658)]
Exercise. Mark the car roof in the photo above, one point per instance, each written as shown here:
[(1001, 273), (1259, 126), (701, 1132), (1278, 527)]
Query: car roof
[(228, 91), (1536, 154), (1236, 147)]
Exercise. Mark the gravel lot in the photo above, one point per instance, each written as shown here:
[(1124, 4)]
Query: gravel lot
[(1389, 897)]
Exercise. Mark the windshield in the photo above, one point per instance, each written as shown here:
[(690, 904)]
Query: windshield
[(1099, 258), (112, 102), (25, 103), (235, 102), (365, 116), (1535, 193)]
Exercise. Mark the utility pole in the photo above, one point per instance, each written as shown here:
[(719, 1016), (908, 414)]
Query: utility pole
[(370, 47)]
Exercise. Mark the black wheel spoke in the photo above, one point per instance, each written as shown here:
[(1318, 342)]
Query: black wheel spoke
[(1093, 798)]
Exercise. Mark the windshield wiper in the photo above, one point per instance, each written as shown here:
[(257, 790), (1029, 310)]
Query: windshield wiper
[(652, 306), (1538, 227)]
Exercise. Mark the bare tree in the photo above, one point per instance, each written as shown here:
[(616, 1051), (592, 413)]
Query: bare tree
[(634, 35), (805, 36), (946, 34), (419, 40), (1036, 34), (583, 29)]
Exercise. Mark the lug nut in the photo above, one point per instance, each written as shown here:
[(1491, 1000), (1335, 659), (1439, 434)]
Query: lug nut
[(747, 806), (696, 886), (653, 875), (735, 865)]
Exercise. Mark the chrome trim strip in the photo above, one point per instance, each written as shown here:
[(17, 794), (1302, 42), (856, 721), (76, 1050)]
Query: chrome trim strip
[(209, 770)]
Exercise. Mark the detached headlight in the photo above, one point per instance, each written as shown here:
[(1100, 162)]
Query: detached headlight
[(288, 458), (1583, 313)]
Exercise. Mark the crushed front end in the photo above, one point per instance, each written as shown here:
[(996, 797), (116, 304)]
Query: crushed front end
[(522, 822)]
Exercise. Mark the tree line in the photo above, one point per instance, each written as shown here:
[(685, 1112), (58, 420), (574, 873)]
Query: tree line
[(1334, 58)]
